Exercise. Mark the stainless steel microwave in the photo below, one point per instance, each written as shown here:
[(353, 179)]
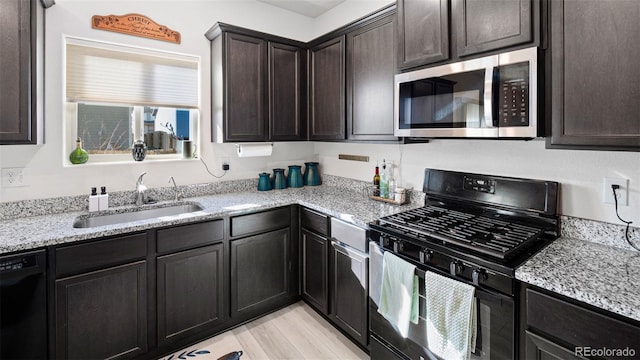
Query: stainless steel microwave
[(489, 97)]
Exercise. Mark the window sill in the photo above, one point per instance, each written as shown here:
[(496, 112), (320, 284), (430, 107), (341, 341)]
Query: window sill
[(116, 160)]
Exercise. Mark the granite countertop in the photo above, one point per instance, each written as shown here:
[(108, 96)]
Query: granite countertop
[(600, 275), (346, 204), (597, 274)]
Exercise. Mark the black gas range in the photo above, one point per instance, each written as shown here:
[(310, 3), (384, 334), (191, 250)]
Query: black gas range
[(476, 229)]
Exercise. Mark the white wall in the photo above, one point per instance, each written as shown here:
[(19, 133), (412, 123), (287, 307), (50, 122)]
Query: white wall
[(579, 172), (44, 163), (345, 13)]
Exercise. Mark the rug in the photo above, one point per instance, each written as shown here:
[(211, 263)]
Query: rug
[(222, 347), (203, 354)]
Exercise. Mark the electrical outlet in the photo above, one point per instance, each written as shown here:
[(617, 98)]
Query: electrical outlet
[(14, 177), (226, 163), (622, 191)]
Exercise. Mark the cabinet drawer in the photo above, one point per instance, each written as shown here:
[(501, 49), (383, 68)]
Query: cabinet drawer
[(189, 236), (578, 326), (101, 253), (260, 222), (314, 221), (351, 235)]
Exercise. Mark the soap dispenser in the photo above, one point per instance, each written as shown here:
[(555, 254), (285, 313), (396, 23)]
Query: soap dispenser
[(94, 200), (103, 199)]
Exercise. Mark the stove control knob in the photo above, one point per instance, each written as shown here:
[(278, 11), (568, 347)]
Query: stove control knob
[(425, 256), (456, 268), (398, 246), (478, 275), (384, 241)]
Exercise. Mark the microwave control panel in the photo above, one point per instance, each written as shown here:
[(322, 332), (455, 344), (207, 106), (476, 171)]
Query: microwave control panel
[(514, 95)]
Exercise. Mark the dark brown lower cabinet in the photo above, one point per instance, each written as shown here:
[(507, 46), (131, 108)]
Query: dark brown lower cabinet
[(147, 294), (349, 291), (539, 348), (561, 328), (260, 273), (315, 275), (190, 291), (102, 314)]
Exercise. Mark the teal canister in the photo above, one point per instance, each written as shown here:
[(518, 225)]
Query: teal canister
[(279, 180), (264, 182), (311, 174), (295, 176)]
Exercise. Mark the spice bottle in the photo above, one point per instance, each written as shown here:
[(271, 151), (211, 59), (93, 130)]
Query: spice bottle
[(376, 182)]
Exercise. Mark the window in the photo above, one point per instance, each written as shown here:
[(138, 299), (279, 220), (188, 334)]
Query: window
[(116, 95)]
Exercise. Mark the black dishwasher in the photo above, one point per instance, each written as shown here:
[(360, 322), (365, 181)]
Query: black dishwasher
[(23, 300)]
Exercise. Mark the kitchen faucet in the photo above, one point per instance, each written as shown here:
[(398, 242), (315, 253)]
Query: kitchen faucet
[(175, 188), (140, 189)]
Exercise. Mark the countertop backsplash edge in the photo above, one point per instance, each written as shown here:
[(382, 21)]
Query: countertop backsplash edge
[(599, 232), (73, 203)]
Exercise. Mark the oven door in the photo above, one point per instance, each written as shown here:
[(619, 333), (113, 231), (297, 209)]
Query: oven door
[(496, 320)]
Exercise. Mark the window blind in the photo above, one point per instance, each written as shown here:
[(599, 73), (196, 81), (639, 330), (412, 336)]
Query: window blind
[(97, 72)]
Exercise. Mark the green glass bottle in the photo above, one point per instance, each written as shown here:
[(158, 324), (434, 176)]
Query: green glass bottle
[(78, 155)]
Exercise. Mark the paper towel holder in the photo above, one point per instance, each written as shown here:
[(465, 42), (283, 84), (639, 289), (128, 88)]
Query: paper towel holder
[(254, 149)]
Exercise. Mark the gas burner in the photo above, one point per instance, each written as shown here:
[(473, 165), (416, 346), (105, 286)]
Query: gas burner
[(498, 222), (478, 233)]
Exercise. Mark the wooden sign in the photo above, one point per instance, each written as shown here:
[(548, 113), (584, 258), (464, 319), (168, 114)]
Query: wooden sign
[(136, 25)]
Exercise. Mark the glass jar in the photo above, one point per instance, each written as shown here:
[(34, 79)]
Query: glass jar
[(400, 195)]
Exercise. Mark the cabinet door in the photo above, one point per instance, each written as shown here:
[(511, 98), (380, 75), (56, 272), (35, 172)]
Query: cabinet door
[(285, 80), (539, 348), (423, 32), (244, 88), (594, 74), (106, 304), (482, 25), (370, 79), (349, 279), (190, 291), (315, 272), (260, 273), (327, 89), (18, 75)]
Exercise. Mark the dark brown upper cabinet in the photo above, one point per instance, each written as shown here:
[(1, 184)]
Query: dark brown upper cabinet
[(336, 87), (594, 75), (371, 67), (19, 75), (256, 86), (482, 26), (244, 72), (327, 89), (423, 32), (285, 93)]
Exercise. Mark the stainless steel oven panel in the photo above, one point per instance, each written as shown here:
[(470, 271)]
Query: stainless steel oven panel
[(514, 57), (351, 235)]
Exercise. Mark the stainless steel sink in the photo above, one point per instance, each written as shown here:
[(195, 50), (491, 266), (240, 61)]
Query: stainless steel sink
[(135, 215)]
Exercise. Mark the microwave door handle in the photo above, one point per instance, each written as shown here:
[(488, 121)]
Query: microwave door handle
[(488, 97), (495, 101)]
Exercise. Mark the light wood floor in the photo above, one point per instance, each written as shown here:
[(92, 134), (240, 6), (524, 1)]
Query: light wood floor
[(295, 332)]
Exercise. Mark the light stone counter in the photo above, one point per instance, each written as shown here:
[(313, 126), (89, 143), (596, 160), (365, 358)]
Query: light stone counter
[(348, 204), (601, 275)]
